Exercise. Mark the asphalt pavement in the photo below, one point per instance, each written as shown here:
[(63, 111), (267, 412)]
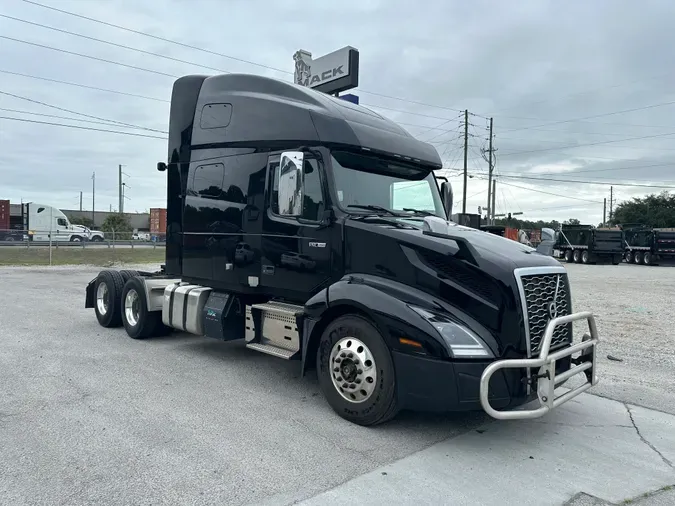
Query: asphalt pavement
[(89, 416)]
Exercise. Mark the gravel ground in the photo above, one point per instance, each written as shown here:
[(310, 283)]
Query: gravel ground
[(88, 415), (635, 312)]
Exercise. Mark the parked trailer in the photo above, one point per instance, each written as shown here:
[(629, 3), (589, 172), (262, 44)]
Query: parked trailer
[(648, 246), (314, 230), (589, 245)]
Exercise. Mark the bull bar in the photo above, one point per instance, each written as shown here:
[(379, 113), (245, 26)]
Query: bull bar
[(547, 380)]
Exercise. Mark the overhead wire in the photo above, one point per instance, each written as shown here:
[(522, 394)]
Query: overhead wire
[(25, 120)]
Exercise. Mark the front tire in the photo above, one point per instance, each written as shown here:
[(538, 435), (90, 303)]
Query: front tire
[(137, 320), (356, 371), (108, 289)]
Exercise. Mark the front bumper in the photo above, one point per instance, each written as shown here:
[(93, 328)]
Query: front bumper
[(546, 378)]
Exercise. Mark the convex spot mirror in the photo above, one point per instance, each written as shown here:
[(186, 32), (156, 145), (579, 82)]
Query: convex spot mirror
[(290, 183)]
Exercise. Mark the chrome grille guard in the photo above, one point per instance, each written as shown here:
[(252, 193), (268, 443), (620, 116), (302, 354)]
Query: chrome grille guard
[(547, 380)]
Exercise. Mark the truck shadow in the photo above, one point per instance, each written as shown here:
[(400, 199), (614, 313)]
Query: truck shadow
[(269, 374)]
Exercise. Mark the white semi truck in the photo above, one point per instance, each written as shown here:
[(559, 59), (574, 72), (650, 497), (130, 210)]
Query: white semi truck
[(42, 221)]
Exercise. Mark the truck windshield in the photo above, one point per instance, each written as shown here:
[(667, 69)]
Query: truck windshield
[(370, 181)]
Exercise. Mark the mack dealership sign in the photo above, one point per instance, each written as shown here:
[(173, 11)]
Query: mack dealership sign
[(332, 73)]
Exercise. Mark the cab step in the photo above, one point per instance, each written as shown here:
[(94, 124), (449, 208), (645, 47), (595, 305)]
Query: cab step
[(272, 328), (272, 350)]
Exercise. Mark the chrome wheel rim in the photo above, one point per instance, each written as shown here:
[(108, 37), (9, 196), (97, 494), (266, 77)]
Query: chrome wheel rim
[(353, 370), (131, 307), (102, 298)]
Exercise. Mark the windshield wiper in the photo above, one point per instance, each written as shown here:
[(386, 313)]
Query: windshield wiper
[(371, 207), (418, 212)]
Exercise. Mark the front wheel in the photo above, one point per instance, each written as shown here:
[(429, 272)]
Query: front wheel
[(356, 371)]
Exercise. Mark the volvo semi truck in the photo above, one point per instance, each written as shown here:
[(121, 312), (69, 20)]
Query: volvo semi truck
[(313, 229)]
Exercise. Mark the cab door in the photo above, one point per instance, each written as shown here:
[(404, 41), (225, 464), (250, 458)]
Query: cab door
[(296, 237)]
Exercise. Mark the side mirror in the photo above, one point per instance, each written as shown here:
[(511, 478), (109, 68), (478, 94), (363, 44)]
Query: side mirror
[(290, 183), (161, 166), (446, 196)]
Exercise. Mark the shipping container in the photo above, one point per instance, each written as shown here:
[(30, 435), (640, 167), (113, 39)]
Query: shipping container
[(157, 220), (4, 215)]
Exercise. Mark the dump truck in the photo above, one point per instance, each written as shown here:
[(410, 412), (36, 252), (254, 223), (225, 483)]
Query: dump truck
[(648, 246), (312, 229), (589, 245)]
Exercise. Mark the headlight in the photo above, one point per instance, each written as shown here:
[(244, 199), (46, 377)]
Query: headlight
[(462, 342)]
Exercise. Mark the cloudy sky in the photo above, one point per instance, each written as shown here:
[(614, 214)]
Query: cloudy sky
[(580, 91)]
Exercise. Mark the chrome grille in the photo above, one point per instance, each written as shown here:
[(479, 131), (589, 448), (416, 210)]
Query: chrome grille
[(539, 291)]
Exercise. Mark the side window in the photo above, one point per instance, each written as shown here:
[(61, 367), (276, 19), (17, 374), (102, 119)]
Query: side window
[(61, 222), (207, 181), (313, 202)]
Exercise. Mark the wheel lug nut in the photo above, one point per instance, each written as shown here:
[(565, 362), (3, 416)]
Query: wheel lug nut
[(344, 385), (350, 355), (352, 386), (359, 371)]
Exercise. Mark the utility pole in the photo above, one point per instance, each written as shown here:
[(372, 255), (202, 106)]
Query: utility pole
[(93, 198), (466, 151), (490, 174), (120, 206), (492, 207), (604, 212), (611, 202), (80, 201)]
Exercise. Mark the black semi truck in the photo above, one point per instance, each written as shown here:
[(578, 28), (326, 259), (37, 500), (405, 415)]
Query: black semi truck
[(313, 229), (589, 245), (648, 246)]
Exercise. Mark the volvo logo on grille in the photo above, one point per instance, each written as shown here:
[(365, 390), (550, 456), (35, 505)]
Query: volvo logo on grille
[(552, 309)]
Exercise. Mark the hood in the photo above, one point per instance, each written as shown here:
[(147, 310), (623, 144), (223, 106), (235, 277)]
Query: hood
[(470, 269), (495, 255)]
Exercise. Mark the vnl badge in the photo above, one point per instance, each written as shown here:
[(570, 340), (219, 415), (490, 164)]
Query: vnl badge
[(303, 67)]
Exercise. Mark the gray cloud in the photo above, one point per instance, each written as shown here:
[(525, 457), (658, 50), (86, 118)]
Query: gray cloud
[(525, 63)]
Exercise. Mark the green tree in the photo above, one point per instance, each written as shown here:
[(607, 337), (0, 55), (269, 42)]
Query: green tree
[(654, 210), (572, 221), (81, 220), (119, 224)]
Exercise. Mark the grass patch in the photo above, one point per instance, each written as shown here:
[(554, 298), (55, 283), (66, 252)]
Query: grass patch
[(73, 255)]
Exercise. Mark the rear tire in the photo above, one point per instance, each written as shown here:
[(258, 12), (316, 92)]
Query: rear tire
[(568, 256), (629, 257), (358, 338), (647, 258), (108, 290), (584, 257), (637, 258), (577, 256), (127, 274), (137, 320)]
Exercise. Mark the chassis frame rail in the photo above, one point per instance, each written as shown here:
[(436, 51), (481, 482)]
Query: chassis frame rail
[(546, 362)]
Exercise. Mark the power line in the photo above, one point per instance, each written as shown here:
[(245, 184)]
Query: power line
[(588, 182), (79, 85), (80, 113), (547, 193), (42, 115), (573, 120), (83, 128), (52, 48), (102, 41), (555, 148), (174, 76), (215, 53)]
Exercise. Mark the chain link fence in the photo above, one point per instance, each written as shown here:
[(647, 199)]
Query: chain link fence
[(74, 247)]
